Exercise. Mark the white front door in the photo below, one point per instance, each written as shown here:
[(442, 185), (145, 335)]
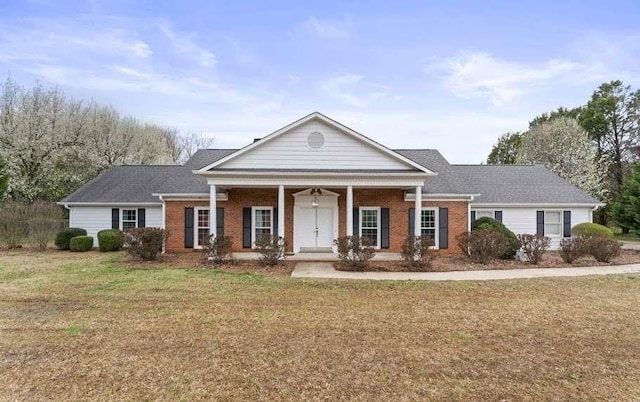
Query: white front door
[(315, 227), (315, 230)]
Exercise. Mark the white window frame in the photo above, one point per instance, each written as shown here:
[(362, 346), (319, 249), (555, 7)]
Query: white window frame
[(378, 228), (436, 237), (122, 217), (560, 223), (491, 213), (196, 226), (253, 223)]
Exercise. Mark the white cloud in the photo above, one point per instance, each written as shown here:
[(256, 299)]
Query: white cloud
[(479, 75), (328, 28), (185, 44), (350, 89)]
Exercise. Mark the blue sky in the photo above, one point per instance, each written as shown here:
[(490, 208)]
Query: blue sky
[(410, 74)]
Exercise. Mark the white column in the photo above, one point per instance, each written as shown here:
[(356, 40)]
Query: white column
[(349, 211), (417, 221), (281, 211), (213, 223)]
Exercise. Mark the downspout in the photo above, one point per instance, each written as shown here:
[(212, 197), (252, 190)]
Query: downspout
[(66, 206), (469, 214), (163, 223)]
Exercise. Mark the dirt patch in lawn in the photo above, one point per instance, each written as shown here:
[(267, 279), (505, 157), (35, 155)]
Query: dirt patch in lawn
[(446, 263)]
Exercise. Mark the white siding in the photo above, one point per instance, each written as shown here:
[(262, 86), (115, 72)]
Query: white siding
[(290, 150), (523, 220), (95, 219)]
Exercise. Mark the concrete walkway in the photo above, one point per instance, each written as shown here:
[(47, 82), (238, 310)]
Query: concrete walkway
[(325, 270)]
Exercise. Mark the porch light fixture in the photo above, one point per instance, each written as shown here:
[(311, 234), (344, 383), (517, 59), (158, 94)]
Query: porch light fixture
[(315, 203)]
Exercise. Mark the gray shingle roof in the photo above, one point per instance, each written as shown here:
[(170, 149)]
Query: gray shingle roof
[(520, 184), (496, 183)]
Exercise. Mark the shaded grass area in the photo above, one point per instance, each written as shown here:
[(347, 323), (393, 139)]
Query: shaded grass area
[(88, 327), (635, 237)]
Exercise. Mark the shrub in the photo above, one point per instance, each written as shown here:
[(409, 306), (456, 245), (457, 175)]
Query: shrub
[(44, 220), (354, 251), (591, 230), (144, 243), (218, 248), (81, 243), (572, 248), (271, 250), (110, 240), (64, 236), (603, 249), (486, 223), (13, 224), (418, 252), (534, 246), (483, 245)]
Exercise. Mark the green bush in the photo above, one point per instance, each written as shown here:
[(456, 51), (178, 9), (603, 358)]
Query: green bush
[(486, 223), (81, 243), (110, 240), (64, 236), (145, 243), (591, 230)]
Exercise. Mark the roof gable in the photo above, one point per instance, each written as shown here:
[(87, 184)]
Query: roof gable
[(316, 142)]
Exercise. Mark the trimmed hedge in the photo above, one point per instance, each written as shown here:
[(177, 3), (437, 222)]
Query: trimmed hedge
[(110, 240), (591, 230), (486, 223), (81, 243), (63, 238)]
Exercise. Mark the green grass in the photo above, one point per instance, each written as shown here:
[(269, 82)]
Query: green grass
[(86, 326), (634, 237)]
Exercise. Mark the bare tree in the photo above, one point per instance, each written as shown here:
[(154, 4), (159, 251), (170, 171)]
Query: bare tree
[(191, 142)]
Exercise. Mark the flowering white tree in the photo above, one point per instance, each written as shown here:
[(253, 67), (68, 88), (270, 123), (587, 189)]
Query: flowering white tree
[(565, 148)]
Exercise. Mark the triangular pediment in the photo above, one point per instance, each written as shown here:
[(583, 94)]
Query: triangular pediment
[(316, 143)]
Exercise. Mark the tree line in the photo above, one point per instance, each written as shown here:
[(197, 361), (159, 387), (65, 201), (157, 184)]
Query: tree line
[(51, 144), (595, 146)]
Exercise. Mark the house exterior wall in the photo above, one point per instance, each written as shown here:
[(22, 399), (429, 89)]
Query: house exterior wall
[(523, 220), (290, 150), (95, 219), (240, 198)]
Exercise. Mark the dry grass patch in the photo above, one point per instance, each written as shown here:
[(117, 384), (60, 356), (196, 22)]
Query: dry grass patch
[(88, 327)]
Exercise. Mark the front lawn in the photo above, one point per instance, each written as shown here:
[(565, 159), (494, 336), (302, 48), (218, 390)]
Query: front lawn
[(87, 326)]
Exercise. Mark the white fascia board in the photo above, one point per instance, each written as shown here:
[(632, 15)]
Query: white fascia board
[(110, 204), (190, 196), (326, 120), (240, 173), (318, 181), (441, 197), (536, 205)]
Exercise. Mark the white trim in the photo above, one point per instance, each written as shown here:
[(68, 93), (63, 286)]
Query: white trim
[(378, 228), (196, 226), (560, 223), (253, 223), (436, 222), (328, 180), (440, 197), (492, 213), (110, 204), (191, 196), (307, 192), (121, 220), (533, 205), (326, 120)]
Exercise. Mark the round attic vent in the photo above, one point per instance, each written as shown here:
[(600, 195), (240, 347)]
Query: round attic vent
[(315, 141)]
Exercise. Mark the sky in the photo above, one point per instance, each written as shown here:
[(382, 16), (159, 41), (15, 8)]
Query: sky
[(449, 75)]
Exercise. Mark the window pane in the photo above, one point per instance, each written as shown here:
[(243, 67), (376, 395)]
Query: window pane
[(202, 236), (128, 225), (484, 214), (552, 229), (203, 218), (552, 217), (371, 235), (369, 218), (431, 233), (263, 218), (428, 219), (262, 232), (129, 214)]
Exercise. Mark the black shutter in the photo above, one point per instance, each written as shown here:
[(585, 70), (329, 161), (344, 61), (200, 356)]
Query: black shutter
[(142, 218), (412, 220), (356, 221), (443, 227), (540, 223), (115, 218), (498, 216), (275, 222), (567, 224), (188, 228), (384, 227), (246, 227), (219, 221), (473, 216)]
